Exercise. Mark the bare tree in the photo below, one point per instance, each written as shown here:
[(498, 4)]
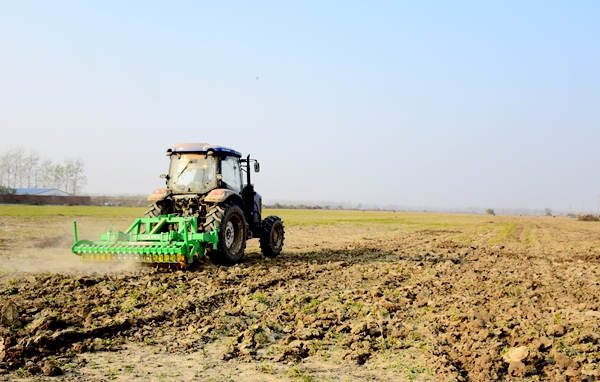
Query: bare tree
[(4, 170), (17, 170), (7, 169), (58, 176), (11, 167), (45, 173), (73, 175), (30, 168)]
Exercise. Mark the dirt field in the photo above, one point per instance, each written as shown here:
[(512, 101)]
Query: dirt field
[(355, 296)]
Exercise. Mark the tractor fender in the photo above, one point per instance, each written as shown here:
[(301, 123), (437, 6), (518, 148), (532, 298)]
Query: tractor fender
[(222, 194), (159, 194)]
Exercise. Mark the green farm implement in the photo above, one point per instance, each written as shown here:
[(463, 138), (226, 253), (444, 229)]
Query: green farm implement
[(167, 239), (209, 208)]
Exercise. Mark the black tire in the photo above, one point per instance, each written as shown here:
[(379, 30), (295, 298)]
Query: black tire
[(154, 210), (214, 216), (271, 236), (229, 219)]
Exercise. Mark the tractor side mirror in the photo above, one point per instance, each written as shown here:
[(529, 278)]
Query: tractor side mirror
[(256, 167)]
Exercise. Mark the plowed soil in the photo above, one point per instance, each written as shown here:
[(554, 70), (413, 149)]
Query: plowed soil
[(355, 296)]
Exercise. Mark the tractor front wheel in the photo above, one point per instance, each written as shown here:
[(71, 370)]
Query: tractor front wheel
[(229, 218), (271, 236)]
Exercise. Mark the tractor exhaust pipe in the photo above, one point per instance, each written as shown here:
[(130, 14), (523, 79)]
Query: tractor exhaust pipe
[(248, 169)]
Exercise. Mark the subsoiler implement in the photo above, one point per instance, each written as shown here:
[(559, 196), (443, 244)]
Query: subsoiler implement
[(144, 242)]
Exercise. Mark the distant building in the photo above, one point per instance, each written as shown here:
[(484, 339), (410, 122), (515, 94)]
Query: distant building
[(41, 192), (41, 196)]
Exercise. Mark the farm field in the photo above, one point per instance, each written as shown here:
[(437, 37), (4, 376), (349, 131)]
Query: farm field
[(381, 296)]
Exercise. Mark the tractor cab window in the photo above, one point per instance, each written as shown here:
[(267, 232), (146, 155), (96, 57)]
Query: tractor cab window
[(192, 173), (232, 176)]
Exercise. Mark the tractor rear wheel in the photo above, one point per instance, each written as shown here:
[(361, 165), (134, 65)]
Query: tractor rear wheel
[(271, 236), (154, 210), (229, 218), (161, 207)]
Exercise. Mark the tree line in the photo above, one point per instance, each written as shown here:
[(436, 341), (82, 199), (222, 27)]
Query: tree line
[(19, 169), (298, 207)]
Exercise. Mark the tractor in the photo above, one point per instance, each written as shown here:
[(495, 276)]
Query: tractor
[(208, 208)]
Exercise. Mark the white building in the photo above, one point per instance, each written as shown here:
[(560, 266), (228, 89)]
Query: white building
[(41, 191)]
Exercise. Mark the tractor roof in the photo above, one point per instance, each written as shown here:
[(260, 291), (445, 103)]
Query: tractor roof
[(200, 148)]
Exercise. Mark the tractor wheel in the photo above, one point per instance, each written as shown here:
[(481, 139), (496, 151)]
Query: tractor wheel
[(230, 221), (271, 236), (155, 210)]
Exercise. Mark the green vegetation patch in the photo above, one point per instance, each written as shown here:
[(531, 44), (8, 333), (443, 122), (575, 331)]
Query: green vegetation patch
[(410, 220), (34, 211)]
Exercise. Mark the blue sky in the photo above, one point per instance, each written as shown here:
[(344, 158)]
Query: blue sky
[(441, 104)]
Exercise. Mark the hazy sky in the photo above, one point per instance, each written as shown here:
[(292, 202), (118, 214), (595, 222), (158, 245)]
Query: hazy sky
[(438, 103)]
